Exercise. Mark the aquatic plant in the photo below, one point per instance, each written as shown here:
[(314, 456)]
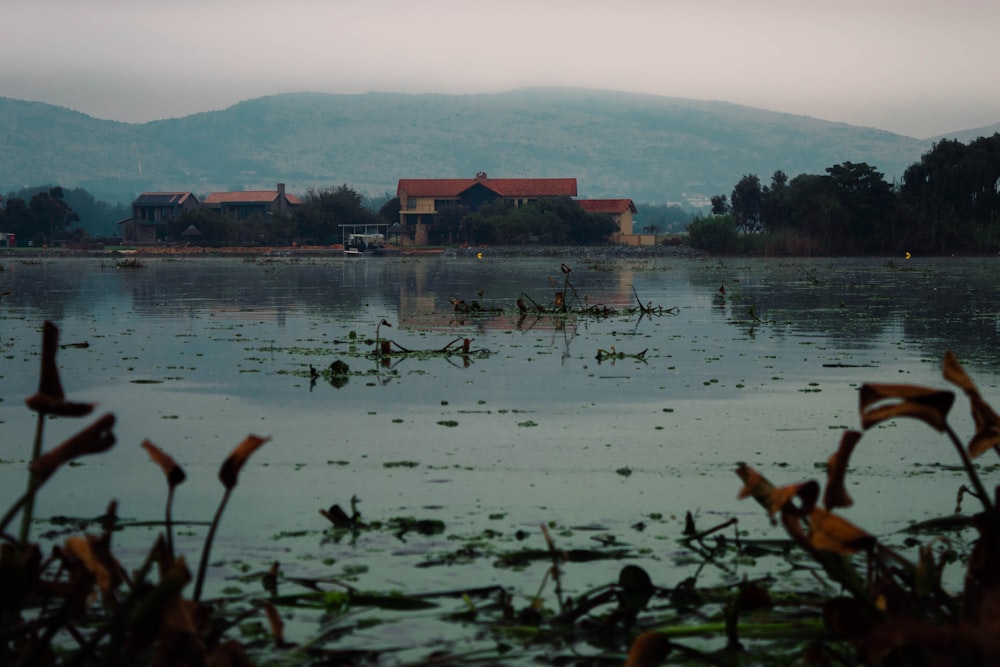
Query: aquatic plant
[(894, 610), (129, 263), (80, 605)]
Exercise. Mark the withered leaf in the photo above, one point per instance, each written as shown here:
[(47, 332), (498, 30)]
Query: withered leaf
[(175, 474), (230, 470), (50, 399), (773, 498), (274, 620), (648, 650), (806, 492), (756, 485), (835, 495), (94, 439), (47, 405), (830, 532), (95, 556), (49, 383), (987, 422), (880, 402)]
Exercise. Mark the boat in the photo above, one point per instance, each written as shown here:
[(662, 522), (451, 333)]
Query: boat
[(365, 239)]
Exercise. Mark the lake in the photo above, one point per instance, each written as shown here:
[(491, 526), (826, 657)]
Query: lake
[(606, 424)]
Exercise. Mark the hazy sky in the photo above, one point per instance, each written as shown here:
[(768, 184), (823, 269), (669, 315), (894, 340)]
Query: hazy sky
[(916, 67)]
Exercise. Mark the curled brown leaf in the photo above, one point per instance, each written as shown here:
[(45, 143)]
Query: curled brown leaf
[(94, 439), (50, 399), (987, 422), (835, 495), (94, 553), (879, 402), (648, 650), (174, 473), (230, 470), (830, 532), (773, 498)]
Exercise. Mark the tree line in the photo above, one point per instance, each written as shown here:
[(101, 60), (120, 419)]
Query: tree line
[(947, 202), (44, 214), (319, 219), (48, 217)]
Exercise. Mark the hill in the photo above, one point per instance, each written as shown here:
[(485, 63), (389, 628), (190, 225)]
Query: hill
[(650, 148)]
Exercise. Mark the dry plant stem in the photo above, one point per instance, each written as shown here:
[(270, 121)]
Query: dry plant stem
[(118, 623), (170, 522), (52, 627), (970, 470), (29, 509), (203, 565)]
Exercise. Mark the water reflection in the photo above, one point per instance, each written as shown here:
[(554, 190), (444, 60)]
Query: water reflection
[(760, 361)]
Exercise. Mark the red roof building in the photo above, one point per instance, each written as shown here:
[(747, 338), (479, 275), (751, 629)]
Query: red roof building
[(421, 199), (622, 211), (249, 203)]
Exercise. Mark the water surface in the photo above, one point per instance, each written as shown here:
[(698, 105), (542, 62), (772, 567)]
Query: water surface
[(742, 360)]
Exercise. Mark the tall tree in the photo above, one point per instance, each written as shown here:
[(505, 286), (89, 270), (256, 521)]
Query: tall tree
[(951, 198), (868, 201), (745, 205), (720, 205), (324, 212)]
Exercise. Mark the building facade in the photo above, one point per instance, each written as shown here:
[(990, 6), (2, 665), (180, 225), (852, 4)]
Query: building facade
[(152, 212), (421, 200), (248, 204)]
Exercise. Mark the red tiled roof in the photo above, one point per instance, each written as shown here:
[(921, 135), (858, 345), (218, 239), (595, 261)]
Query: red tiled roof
[(505, 187), (607, 206), (249, 197), (162, 198), (244, 197)]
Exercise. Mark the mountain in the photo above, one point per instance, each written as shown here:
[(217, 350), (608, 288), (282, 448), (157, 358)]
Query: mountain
[(649, 148), (965, 136)]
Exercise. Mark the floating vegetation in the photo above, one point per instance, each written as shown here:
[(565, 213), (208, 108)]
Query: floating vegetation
[(825, 592), (613, 355), (129, 263)]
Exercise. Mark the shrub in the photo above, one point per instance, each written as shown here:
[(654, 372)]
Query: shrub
[(715, 233)]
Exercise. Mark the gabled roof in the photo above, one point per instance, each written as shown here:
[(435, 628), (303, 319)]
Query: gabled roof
[(505, 187), (163, 198), (242, 197), (607, 206)]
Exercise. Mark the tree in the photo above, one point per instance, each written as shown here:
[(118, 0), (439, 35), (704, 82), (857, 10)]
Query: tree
[(16, 219), (952, 196), (745, 204), (774, 203), (389, 212), (324, 212), (51, 212), (720, 205), (868, 201), (210, 224), (447, 224), (42, 220)]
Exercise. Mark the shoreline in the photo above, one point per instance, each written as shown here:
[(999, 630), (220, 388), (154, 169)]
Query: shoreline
[(596, 252)]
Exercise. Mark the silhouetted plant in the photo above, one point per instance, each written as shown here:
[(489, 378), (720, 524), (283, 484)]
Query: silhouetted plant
[(137, 621), (896, 611)]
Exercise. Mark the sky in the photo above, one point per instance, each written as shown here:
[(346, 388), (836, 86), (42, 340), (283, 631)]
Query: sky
[(915, 67)]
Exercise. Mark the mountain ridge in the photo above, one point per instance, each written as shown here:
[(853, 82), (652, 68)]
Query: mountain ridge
[(649, 148)]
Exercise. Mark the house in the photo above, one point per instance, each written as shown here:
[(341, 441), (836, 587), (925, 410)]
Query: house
[(253, 203), (151, 214), (422, 199), (622, 211)]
